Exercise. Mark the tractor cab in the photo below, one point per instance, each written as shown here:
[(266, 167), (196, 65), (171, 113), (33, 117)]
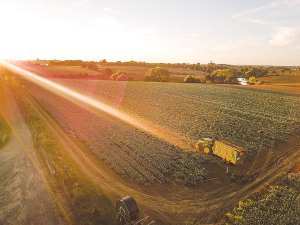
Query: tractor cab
[(205, 144)]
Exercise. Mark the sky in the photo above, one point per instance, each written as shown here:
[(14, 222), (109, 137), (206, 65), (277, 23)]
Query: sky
[(237, 32)]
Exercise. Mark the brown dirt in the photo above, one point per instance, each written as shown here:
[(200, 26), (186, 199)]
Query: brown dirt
[(24, 195), (172, 204)]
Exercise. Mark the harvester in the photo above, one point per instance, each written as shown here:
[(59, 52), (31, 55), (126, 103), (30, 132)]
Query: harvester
[(128, 212), (229, 153)]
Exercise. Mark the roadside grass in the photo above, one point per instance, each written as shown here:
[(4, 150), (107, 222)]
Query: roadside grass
[(5, 131), (83, 200)]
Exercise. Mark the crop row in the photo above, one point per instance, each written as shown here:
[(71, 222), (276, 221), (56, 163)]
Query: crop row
[(251, 119), (127, 150)]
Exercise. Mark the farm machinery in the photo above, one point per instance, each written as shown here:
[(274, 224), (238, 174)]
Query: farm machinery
[(128, 212), (229, 153)]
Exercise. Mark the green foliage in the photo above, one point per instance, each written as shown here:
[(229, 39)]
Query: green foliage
[(157, 75), (192, 79), (108, 72), (250, 73), (5, 130), (281, 206), (255, 72), (259, 82), (223, 222), (120, 75), (252, 80), (224, 76), (92, 66)]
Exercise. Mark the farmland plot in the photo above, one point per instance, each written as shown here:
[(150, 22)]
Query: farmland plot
[(251, 119), (127, 150)]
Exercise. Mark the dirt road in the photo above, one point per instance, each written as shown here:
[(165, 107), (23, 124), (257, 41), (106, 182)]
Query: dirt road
[(202, 205), (24, 196)]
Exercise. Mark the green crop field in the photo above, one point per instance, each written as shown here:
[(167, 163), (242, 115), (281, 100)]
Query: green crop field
[(251, 119)]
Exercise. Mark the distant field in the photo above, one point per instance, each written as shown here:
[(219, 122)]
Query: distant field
[(243, 117), (177, 75), (138, 72), (285, 83)]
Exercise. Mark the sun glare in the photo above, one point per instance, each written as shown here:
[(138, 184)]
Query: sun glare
[(80, 99)]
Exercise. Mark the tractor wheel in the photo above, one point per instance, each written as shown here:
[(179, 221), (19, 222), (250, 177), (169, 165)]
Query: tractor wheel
[(197, 146), (206, 149)]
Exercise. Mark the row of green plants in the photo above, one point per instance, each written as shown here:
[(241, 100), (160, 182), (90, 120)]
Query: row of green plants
[(251, 119), (128, 151), (280, 204), (85, 204)]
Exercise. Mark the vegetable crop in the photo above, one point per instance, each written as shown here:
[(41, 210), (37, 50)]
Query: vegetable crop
[(251, 119)]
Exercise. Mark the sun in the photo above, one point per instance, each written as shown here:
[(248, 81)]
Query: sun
[(18, 32)]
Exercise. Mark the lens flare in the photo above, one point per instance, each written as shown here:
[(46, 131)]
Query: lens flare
[(80, 99)]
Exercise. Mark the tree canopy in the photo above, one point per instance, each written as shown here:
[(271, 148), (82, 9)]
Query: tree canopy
[(255, 71), (224, 76), (157, 75), (192, 79), (120, 75), (252, 80)]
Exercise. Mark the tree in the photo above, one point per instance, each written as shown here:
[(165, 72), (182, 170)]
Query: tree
[(122, 77), (117, 75), (108, 72), (222, 76), (103, 62), (250, 73), (157, 75), (192, 79), (252, 80), (92, 66)]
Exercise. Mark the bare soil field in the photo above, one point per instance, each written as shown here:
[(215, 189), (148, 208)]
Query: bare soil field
[(24, 194)]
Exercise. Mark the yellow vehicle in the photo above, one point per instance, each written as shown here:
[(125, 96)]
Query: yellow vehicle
[(205, 145), (229, 153)]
